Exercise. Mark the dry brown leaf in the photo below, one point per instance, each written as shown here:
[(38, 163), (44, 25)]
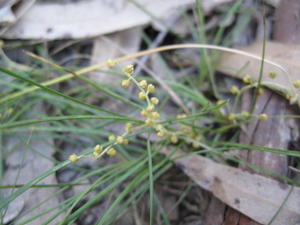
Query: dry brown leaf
[(274, 3), (287, 56), (92, 18), (112, 46), (25, 163), (256, 196), (11, 11)]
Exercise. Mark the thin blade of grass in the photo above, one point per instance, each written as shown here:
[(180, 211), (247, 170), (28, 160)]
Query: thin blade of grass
[(136, 55), (54, 92), (59, 118), (260, 148), (86, 80)]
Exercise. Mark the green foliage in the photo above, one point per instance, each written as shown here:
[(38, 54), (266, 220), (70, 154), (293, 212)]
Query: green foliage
[(210, 128)]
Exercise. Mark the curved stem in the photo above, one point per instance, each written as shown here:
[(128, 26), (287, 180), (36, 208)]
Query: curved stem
[(136, 55)]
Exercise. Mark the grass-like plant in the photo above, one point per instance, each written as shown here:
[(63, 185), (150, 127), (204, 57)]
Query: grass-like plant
[(203, 124)]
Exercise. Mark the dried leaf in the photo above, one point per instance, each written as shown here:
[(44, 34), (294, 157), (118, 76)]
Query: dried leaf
[(92, 18), (25, 163), (112, 46), (256, 196), (274, 3), (287, 56), (11, 11)]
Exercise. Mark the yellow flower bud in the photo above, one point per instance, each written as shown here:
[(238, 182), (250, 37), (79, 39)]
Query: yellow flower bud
[(231, 117), (159, 127), (73, 158), (247, 79), (234, 90), (110, 63), (120, 140), (160, 134), (297, 83), (149, 122), (272, 75), (96, 154), (126, 141), (111, 152), (98, 149), (125, 83), (155, 115), (150, 108), (181, 116), (142, 95), (174, 139), (245, 114), (129, 70), (144, 113), (154, 100), (261, 91), (111, 138), (128, 127), (143, 84), (220, 102), (263, 116), (151, 88)]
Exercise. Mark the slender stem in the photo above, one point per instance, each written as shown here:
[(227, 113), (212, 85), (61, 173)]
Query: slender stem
[(256, 92), (136, 55), (151, 186)]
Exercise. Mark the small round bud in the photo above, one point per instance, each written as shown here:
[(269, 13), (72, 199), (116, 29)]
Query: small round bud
[(96, 154), (160, 134), (297, 83), (245, 114), (143, 84), (150, 108), (144, 113), (261, 91), (111, 138), (220, 102), (181, 116), (159, 127), (111, 152), (151, 88), (128, 127), (125, 83), (149, 122), (272, 75), (154, 101), (73, 158), (126, 141), (247, 79), (155, 115), (129, 70), (120, 140), (110, 63), (231, 117), (98, 149), (234, 90), (174, 139), (142, 95), (263, 116)]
